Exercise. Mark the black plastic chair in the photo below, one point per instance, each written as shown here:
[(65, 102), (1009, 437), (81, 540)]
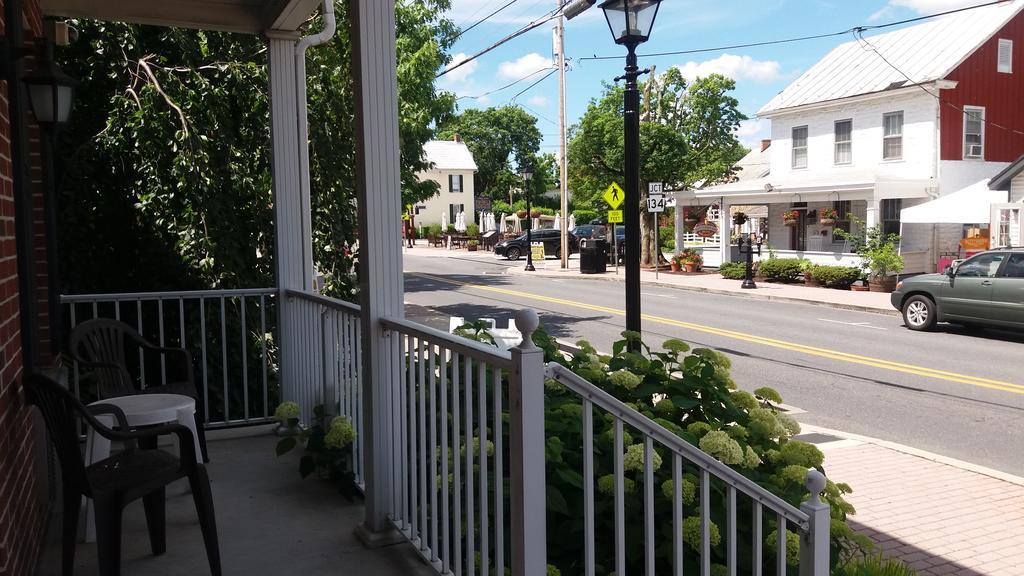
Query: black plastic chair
[(100, 345), (116, 481)]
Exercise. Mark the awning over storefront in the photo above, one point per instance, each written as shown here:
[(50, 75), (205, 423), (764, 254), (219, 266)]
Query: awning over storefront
[(970, 205), (851, 186)]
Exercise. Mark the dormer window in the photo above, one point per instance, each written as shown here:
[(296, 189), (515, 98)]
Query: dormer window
[(1005, 56)]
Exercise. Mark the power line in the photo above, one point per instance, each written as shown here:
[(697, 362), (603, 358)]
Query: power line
[(484, 19), (543, 78), (855, 29), (506, 86), (532, 25), (868, 46)]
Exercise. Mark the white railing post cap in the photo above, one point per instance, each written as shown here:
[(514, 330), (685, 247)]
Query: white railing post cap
[(527, 321), (815, 483)]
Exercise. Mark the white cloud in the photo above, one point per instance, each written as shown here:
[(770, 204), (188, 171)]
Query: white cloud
[(524, 65), (931, 6), (733, 66), (462, 73), (538, 101), (751, 132)]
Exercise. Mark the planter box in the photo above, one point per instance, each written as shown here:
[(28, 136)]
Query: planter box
[(886, 284), (826, 222), (811, 281), (790, 222)]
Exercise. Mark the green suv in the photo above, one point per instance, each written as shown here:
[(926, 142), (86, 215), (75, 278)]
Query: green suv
[(985, 289)]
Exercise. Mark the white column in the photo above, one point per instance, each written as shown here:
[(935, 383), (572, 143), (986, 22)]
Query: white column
[(292, 263), (725, 231), (874, 211), (378, 185)]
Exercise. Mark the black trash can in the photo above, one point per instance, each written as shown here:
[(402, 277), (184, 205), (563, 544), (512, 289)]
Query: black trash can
[(593, 255)]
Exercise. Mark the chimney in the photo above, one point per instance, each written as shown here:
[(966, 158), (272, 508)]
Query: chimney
[(456, 137), (764, 144)]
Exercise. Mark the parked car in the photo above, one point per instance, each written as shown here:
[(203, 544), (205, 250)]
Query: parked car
[(986, 289), (516, 248), (588, 231)]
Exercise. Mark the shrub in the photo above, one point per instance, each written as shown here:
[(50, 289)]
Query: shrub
[(585, 216), (690, 393), (874, 565), (733, 270), (836, 276), (667, 237), (434, 230), (781, 269), (472, 229)]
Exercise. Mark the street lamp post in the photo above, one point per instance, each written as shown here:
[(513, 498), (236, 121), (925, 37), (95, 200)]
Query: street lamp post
[(527, 175), (630, 22)]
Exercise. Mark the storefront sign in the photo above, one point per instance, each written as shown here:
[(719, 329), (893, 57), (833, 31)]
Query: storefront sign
[(975, 244), (537, 251), (705, 229)]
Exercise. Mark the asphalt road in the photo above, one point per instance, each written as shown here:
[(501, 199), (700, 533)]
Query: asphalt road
[(954, 392)]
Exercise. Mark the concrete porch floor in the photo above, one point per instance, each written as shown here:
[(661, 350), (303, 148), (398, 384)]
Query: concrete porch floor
[(269, 521)]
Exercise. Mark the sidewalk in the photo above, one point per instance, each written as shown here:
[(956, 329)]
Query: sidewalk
[(709, 283), (939, 515)]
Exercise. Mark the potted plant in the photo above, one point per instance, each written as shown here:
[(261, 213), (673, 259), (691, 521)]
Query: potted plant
[(535, 213), (287, 416), (328, 450), (739, 219), (691, 218), (690, 259), (521, 214), (791, 217), (471, 245), (828, 216), (676, 262), (472, 230), (878, 253), (808, 270)]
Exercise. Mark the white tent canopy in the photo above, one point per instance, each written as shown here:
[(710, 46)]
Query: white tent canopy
[(970, 205)]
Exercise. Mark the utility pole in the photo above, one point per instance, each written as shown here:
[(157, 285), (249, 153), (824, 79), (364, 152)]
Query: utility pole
[(563, 183)]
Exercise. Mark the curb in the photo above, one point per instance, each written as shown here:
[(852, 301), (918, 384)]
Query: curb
[(938, 458), (716, 291)]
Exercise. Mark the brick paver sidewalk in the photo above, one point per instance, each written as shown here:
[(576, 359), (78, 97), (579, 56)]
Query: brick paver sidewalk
[(938, 516)]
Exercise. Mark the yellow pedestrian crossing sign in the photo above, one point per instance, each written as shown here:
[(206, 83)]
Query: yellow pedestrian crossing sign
[(614, 195), (615, 216)]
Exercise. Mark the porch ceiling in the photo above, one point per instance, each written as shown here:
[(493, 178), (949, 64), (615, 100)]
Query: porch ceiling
[(247, 16)]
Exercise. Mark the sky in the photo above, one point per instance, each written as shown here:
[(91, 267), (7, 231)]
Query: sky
[(760, 72)]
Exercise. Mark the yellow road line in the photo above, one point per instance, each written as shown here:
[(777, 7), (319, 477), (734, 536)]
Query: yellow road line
[(782, 344)]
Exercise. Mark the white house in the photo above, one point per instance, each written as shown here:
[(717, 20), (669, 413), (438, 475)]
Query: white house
[(452, 167), (886, 122)]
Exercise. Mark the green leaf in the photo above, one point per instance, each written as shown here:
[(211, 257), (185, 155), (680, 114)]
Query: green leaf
[(555, 501), (685, 402), (284, 445), (571, 477)]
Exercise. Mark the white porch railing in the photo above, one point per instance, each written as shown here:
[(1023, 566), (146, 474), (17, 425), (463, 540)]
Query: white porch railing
[(327, 362), (811, 520), (230, 334)]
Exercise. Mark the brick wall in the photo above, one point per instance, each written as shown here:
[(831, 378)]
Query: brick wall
[(21, 514)]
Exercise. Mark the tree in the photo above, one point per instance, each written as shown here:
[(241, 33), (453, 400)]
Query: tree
[(167, 158), (501, 140), (687, 139)]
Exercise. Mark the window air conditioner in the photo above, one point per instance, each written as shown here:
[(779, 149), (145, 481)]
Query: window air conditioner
[(975, 151)]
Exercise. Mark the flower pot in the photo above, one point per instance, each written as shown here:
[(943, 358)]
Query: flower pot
[(858, 288), (882, 284), (790, 222), (810, 280), (521, 214), (471, 248), (826, 222), (535, 214), (675, 266), (691, 266)]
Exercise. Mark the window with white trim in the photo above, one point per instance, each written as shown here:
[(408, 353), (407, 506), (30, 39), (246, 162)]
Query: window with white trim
[(974, 132), (455, 183), (800, 147), (892, 136), (1004, 60), (844, 141)]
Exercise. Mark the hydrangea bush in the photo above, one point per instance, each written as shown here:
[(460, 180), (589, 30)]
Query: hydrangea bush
[(328, 449), (691, 393)]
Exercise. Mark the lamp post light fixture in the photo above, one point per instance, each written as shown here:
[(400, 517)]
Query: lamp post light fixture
[(527, 174), (51, 93), (630, 22)]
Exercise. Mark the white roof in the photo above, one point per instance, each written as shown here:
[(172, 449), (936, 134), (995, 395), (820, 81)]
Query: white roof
[(970, 205), (449, 155), (754, 165), (925, 53)]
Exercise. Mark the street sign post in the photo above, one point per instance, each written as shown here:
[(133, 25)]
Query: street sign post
[(656, 205), (614, 196)]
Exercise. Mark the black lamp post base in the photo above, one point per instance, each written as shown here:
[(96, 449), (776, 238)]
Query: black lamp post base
[(748, 283), (530, 268)]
